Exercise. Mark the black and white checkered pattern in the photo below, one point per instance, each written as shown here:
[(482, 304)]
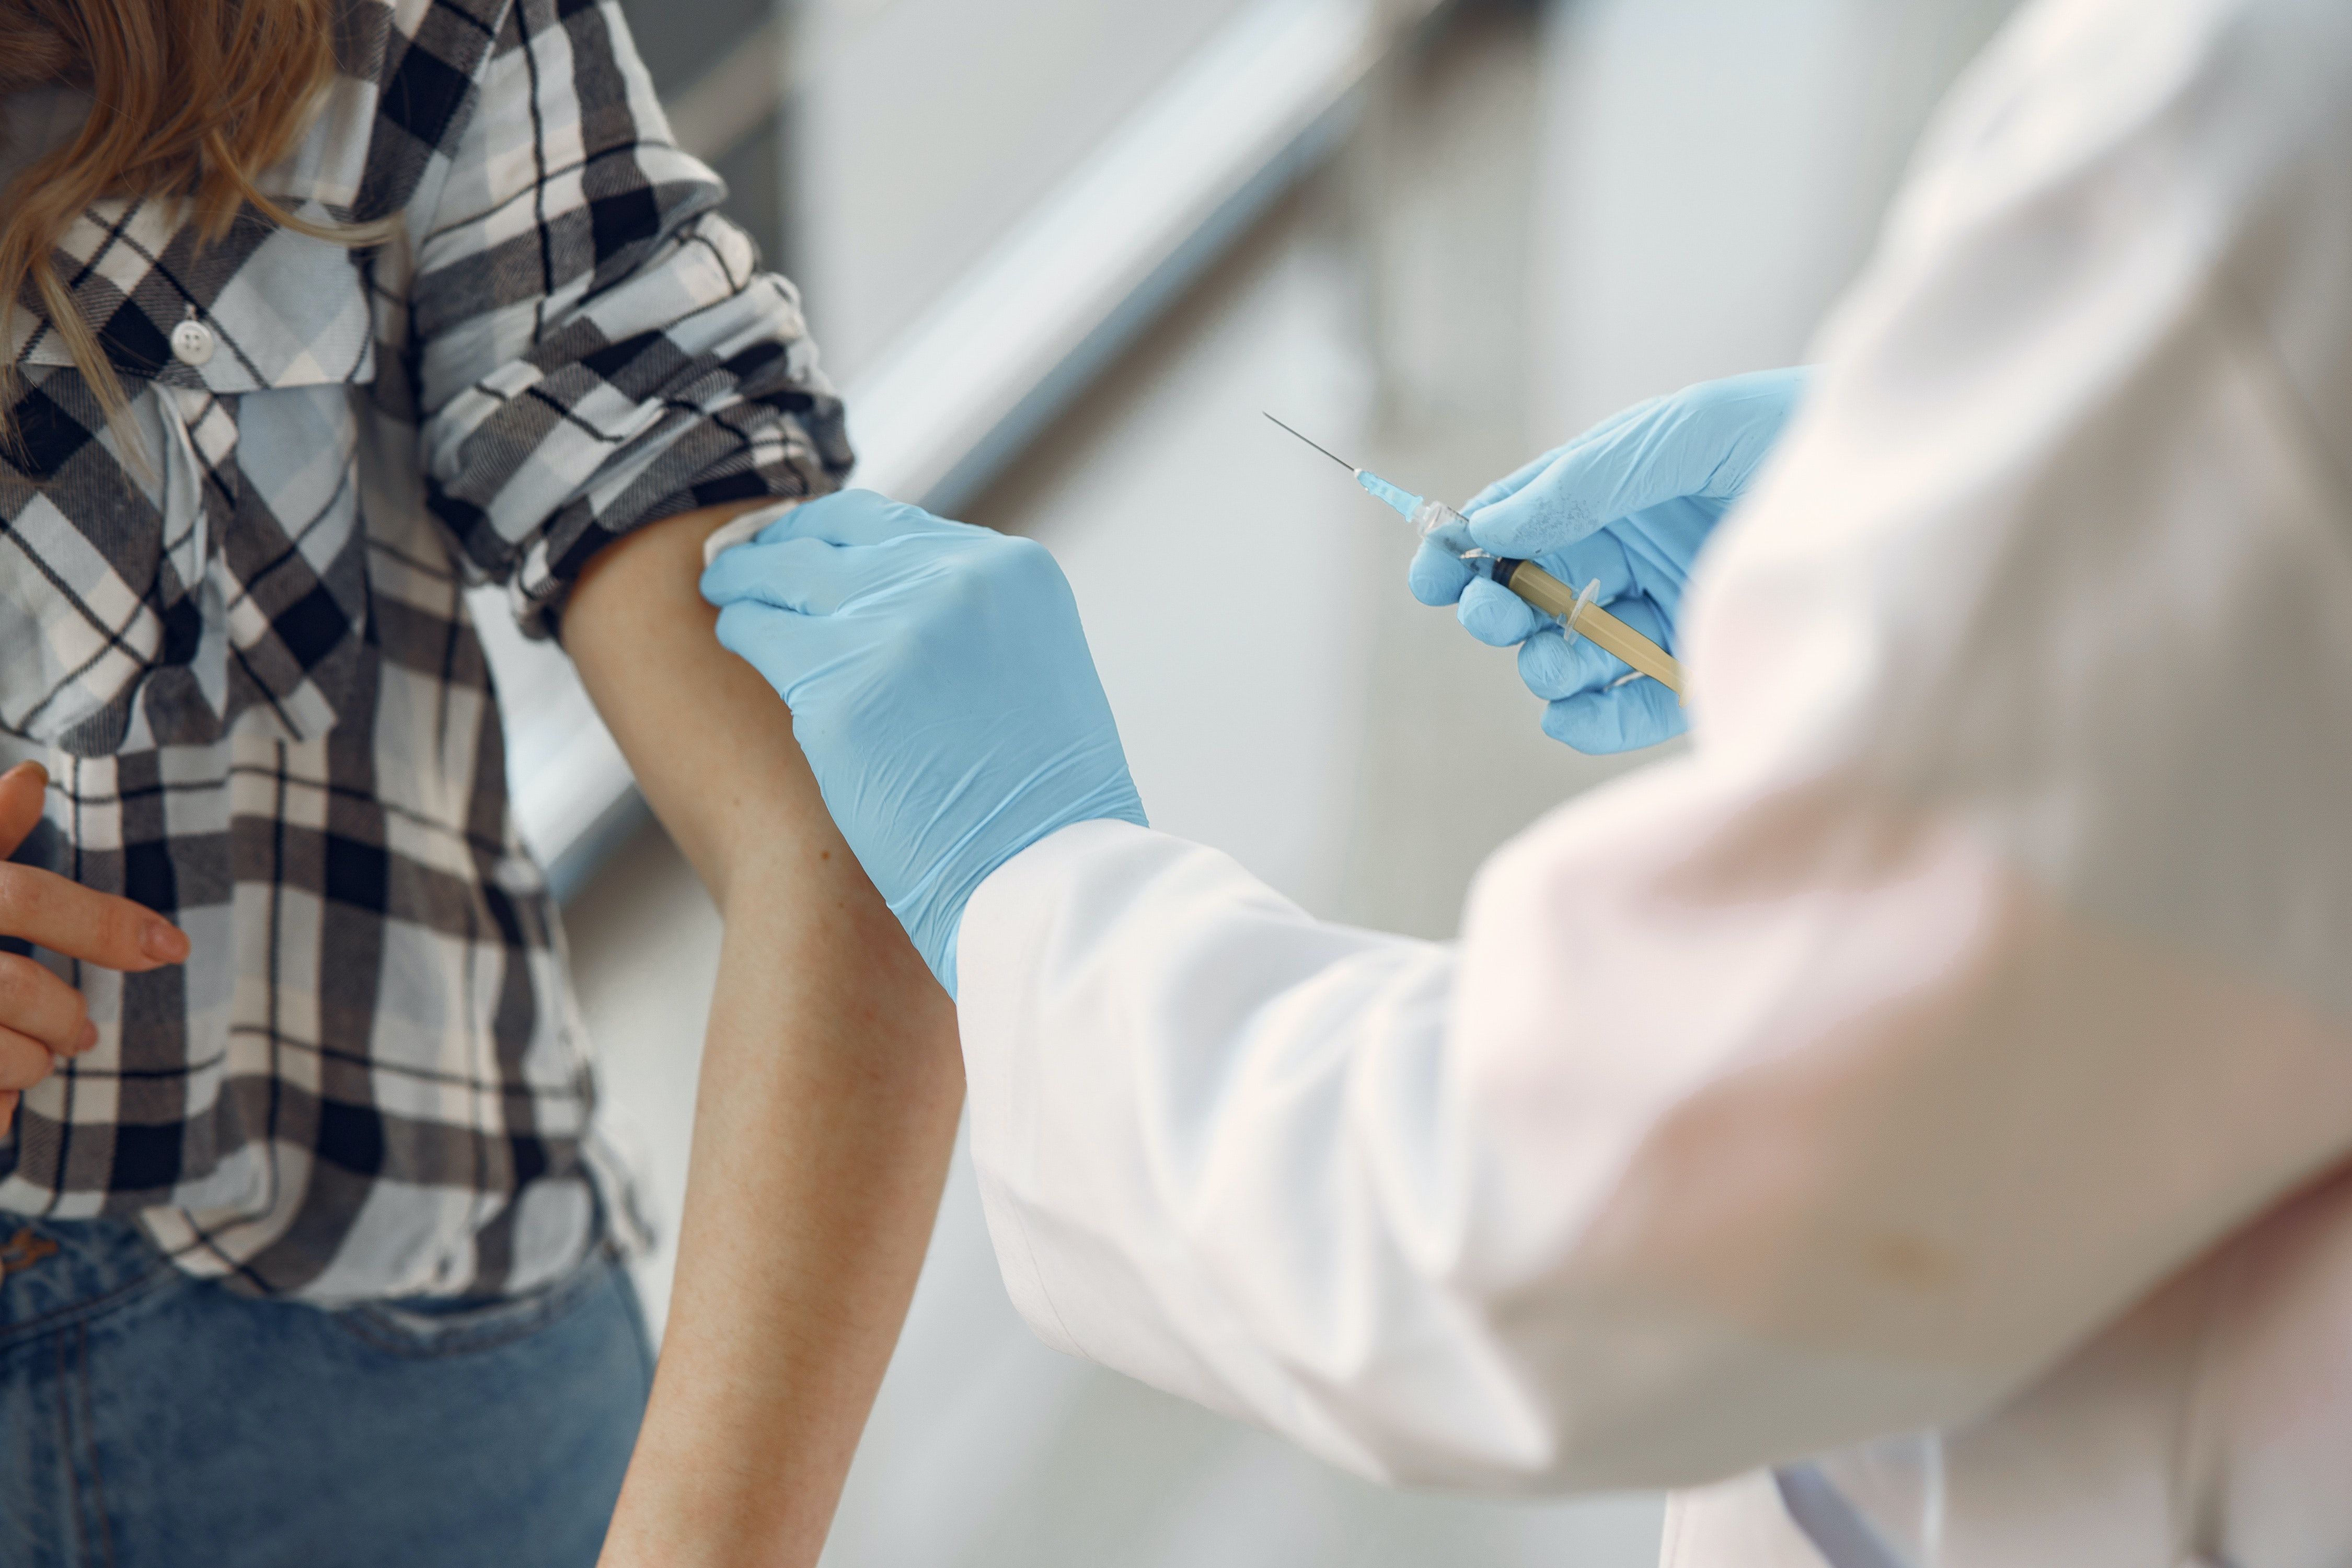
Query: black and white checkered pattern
[(242, 651)]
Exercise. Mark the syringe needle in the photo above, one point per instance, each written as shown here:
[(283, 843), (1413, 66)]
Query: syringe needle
[(1318, 446), (1530, 582)]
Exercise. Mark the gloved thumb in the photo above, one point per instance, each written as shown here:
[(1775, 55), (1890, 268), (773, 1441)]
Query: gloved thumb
[(785, 646), (1517, 479), (813, 577), (1586, 487), (1704, 441), (1438, 575), (857, 517)]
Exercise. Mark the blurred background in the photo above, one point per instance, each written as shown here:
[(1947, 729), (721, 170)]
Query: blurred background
[(1060, 255)]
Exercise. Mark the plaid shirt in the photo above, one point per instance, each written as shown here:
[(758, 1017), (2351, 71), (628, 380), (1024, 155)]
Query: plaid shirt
[(243, 653)]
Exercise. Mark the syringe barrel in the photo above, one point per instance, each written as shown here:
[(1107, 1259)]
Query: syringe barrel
[(1535, 585), (1554, 597)]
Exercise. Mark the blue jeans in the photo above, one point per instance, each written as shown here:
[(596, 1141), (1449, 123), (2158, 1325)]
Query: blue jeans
[(150, 1419)]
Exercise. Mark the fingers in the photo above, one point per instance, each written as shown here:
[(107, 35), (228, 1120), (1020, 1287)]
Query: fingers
[(22, 790), (1555, 668), (23, 1061), (1601, 558), (1706, 441), (1510, 484), (49, 911), (1739, 419), (782, 646), (1437, 576), (1660, 544), (818, 577), (1495, 616), (1519, 478), (35, 1002), (805, 577), (1586, 487), (856, 516), (1593, 705), (1620, 719)]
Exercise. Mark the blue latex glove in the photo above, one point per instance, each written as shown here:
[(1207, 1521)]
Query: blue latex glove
[(1630, 502), (940, 688)]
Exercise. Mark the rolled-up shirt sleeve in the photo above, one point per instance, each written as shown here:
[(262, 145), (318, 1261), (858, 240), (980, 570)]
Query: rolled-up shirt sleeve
[(594, 346)]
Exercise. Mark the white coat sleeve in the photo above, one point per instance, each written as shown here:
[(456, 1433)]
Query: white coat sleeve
[(1983, 962)]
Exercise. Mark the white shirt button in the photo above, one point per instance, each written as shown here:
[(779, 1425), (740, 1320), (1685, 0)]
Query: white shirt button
[(192, 342)]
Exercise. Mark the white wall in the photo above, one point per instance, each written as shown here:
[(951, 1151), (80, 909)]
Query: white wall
[(924, 129), (1713, 174)]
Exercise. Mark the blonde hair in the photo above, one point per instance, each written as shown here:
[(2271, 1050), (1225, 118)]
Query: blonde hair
[(193, 98)]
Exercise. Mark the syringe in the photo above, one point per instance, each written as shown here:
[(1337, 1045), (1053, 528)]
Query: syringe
[(1580, 616)]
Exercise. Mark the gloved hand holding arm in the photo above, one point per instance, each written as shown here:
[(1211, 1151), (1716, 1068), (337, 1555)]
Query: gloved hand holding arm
[(1630, 502), (1847, 1075), (940, 687)]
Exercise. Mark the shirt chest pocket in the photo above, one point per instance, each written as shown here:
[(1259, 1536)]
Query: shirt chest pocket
[(203, 560)]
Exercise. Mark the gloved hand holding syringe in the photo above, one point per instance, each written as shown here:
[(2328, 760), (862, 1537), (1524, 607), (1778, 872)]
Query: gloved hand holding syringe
[(1436, 522)]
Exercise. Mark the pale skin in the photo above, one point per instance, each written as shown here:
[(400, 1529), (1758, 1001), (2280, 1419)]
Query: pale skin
[(42, 1018), (831, 1084)]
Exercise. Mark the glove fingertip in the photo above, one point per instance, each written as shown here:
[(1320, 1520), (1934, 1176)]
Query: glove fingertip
[(1583, 723), (1437, 578), (807, 520), (723, 582), (768, 572), (851, 517), (1658, 716), (1495, 518), (1523, 525), (1494, 616), (1515, 481), (1545, 666), (737, 624), (1616, 719), (1494, 495)]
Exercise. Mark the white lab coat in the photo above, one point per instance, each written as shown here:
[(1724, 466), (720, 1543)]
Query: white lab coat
[(1959, 1037)]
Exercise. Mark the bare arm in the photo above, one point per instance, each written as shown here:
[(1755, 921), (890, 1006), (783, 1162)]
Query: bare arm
[(831, 1084)]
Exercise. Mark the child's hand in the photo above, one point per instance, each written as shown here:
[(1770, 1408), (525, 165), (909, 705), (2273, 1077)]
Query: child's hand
[(41, 1017)]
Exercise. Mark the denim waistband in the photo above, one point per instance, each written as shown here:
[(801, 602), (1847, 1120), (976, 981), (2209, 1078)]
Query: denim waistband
[(52, 1270)]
